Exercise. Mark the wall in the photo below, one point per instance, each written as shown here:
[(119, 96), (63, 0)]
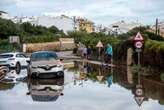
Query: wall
[(62, 44), (61, 22)]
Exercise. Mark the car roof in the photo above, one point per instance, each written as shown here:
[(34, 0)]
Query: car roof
[(44, 52), (11, 53)]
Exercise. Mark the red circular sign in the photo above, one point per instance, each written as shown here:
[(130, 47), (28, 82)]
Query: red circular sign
[(138, 44)]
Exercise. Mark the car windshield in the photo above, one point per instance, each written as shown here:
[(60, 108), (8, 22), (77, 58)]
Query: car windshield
[(44, 56), (6, 56)]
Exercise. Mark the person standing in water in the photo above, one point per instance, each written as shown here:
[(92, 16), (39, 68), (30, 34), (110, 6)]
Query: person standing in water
[(109, 53)]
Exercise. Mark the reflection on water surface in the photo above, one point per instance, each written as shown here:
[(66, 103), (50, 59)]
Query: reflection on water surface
[(86, 86)]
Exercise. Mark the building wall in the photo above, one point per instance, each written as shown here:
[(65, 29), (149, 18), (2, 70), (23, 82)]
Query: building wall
[(62, 44), (123, 27), (89, 27), (85, 25), (61, 22)]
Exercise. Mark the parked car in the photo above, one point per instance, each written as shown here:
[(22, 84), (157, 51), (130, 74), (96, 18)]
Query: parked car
[(45, 64), (3, 71), (45, 90), (14, 60)]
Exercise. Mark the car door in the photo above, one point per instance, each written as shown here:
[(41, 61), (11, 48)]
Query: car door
[(22, 59)]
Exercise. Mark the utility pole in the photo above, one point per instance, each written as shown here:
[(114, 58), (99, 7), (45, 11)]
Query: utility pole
[(74, 22), (156, 27)]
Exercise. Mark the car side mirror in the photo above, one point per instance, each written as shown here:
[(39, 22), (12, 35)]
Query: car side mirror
[(28, 61)]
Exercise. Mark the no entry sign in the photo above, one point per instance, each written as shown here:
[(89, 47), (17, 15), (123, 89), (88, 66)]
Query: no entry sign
[(138, 44)]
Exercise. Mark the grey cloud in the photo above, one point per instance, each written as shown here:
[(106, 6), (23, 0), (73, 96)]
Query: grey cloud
[(96, 9)]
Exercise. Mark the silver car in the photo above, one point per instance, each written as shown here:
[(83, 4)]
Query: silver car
[(45, 64)]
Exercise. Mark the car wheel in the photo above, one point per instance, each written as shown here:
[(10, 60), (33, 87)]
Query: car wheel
[(28, 71), (18, 68)]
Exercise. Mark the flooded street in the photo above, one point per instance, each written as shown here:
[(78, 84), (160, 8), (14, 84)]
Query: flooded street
[(89, 87)]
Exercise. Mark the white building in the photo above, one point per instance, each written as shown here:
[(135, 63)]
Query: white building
[(4, 15), (123, 27), (103, 29), (24, 19), (61, 22)]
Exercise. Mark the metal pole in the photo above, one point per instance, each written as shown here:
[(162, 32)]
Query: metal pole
[(138, 59), (99, 53), (139, 68), (99, 72)]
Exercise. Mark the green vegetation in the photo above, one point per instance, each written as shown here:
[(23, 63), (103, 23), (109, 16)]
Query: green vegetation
[(147, 70), (6, 46), (6, 86), (91, 39), (29, 33), (8, 28), (154, 46)]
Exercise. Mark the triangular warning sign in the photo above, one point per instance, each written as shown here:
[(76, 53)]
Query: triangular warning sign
[(138, 37), (99, 44), (139, 100), (100, 78)]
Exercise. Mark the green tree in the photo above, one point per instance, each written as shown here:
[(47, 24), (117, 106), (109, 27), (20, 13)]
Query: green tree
[(7, 28), (53, 29)]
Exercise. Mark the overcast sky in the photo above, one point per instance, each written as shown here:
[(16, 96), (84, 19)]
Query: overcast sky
[(99, 11)]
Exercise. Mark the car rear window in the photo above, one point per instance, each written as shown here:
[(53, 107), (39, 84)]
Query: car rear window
[(44, 56), (6, 56)]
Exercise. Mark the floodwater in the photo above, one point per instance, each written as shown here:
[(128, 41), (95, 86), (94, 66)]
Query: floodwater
[(84, 87)]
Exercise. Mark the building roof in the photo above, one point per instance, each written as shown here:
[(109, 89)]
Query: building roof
[(123, 26)]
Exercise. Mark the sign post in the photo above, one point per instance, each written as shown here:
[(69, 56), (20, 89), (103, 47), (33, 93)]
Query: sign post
[(139, 94), (99, 45), (14, 40), (99, 76), (138, 43)]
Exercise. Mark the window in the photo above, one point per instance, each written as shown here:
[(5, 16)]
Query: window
[(44, 56), (6, 56), (20, 56)]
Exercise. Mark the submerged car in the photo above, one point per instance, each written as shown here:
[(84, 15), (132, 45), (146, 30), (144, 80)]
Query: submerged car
[(45, 64), (45, 90), (14, 60)]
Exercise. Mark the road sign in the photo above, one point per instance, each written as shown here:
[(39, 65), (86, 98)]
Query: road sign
[(138, 44), (139, 92), (14, 39), (138, 50), (100, 78), (99, 44), (138, 37), (139, 95), (139, 100)]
